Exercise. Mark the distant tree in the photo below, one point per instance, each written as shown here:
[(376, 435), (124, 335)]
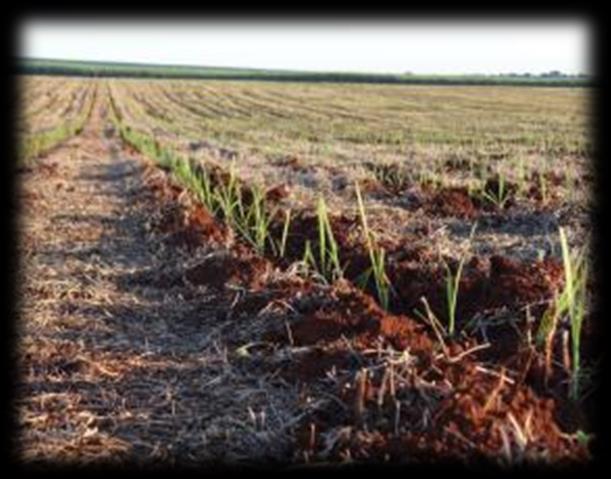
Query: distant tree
[(553, 74)]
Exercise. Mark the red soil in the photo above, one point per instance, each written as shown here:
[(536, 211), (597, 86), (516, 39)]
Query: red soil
[(471, 419), (220, 270), (452, 202), (513, 283), (551, 179), (356, 315), (187, 224)]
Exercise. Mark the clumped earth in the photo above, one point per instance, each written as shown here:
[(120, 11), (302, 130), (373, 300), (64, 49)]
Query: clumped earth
[(150, 333)]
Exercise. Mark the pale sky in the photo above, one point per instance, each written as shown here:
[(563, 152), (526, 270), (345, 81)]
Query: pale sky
[(381, 46)]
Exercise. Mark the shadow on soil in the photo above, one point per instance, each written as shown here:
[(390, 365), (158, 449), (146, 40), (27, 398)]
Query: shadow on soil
[(169, 334)]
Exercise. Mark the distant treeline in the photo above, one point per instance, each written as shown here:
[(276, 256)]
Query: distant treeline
[(136, 70)]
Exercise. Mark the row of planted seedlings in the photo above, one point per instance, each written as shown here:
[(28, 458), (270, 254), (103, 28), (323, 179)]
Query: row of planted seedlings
[(496, 192), (330, 247), (269, 229), (262, 222), (36, 144), (567, 306), (323, 243), (489, 186)]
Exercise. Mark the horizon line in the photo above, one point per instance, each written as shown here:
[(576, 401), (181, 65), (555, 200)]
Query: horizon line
[(280, 70)]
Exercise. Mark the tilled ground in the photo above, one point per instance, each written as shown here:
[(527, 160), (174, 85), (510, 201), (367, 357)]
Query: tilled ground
[(149, 333)]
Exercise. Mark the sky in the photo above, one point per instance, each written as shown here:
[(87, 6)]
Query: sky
[(351, 46)]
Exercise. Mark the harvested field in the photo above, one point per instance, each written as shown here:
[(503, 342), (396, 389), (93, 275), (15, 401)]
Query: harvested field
[(220, 272)]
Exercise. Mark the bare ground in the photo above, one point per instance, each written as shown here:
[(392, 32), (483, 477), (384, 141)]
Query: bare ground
[(120, 358)]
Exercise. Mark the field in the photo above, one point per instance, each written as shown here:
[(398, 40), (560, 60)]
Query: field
[(55, 109), (37, 66), (263, 272)]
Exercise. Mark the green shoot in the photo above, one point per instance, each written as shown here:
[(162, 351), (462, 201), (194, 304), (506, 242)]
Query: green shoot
[(308, 256), (498, 197), (376, 256), (261, 220), (329, 265), (548, 323), (322, 235), (251, 221), (452, 287), (391, 175), (575, 293), (203, 190), (285, 233), (452, 283), (571, 303)]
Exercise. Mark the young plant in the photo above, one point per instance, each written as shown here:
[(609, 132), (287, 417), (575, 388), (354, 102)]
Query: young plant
[(498, 197), (431, 179), (571, 304), (252, 221), (575, 297), (376, 256), (184, 173), (309, 261), (329, 265), (308, 256), (204, 191), (228, 197), (452, 287), (285, 233), (257, 221), (392, 176)]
